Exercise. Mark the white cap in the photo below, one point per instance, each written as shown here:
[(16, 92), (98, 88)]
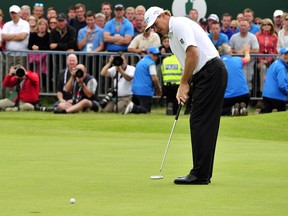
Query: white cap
[(15, 9), (278, 13), (151, 15), (213, 17)]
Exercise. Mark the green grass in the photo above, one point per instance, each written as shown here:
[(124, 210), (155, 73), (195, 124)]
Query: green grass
[(105, 162)]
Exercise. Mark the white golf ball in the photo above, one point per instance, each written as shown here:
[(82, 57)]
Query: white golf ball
[(72, 201)]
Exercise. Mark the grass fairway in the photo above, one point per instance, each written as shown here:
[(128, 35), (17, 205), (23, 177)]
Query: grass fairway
[(105, 162)]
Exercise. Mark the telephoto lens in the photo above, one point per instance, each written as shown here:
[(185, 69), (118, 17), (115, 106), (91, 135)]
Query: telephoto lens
[(106, 99), (79, 73), (117, 61), (20, 72)]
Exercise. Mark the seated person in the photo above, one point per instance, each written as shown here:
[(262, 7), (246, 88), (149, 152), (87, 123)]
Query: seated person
[(165, 47), (275, 90), (236, 95), (122, 75), (27, 86), (84, 92)]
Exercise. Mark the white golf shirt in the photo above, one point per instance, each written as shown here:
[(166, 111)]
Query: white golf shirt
[(184, 32)]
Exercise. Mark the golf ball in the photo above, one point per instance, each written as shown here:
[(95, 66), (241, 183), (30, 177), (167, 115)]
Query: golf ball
[(72, 201)]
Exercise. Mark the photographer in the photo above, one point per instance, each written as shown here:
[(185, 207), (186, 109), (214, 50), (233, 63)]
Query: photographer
[(122, 75), (27, 88), (84, 92)]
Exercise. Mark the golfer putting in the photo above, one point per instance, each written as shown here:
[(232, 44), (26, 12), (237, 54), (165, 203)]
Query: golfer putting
[(208, 77)]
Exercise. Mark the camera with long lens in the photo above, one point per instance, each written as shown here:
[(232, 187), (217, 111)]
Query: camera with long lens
[(107, 98), (118, 61), (20, 72), (79, 73)]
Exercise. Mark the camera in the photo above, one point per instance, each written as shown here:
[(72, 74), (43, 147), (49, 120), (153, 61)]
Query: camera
[(20, 72), (79, 73), (117, 61), (107, 98)]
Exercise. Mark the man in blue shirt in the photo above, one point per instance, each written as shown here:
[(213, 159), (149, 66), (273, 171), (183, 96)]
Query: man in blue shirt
[(144, 83), (275, 90), (118, 32), (216, 37)]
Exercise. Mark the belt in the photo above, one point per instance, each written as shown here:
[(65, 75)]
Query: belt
[(212, 60)]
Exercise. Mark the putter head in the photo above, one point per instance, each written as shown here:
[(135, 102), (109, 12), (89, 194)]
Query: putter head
[(156, 177)]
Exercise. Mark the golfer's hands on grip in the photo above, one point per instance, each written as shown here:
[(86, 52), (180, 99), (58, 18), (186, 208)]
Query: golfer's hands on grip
[(182, 94)]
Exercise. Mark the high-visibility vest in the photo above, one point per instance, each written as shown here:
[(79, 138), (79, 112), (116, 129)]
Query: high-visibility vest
[(171, 70)]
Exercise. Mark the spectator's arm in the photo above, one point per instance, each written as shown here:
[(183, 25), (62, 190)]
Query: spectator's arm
[(14, 37), (104, 71)]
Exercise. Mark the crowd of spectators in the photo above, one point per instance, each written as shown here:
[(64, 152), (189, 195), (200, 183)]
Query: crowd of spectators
[(116, 28)]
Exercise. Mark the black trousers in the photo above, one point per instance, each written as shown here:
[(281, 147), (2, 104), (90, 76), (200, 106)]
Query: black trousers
[(228, 103), (270, 104), (142, 104), (208, 89)]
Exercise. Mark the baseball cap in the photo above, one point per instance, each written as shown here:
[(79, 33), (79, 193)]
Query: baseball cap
[(213, 17), (119, 6), (278, 13), (283, 50), (151, 15), (61, 16), (203, 20), (15, 9), (153, 49)]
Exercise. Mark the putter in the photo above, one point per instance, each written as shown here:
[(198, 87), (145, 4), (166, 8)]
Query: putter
[(168, 145)]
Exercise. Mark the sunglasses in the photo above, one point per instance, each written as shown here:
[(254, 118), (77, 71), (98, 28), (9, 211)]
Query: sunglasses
[(266, 25), (53, 23), (39, 4), (232, 27)]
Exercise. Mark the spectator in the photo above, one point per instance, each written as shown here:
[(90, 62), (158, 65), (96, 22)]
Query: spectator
[(118, 32), (2, 45), (90, 38), (267, 39), (32, 20), (204, 25), (225, 28), (16, 34), (106, 9), (0, 39), (211, 19), (140, 9), (283, 33), (144, 83), (100, 20), (122, 76), (38, 10), (165, 46), (130, 14), (238, 40), (70, 14), (25, 12), (236, 97), (193, 14), (258, 21), (51, 12), (171, 76), (239, 17), (27, 89), (1, 19), (63, 37), (143, 41), (84, 92), (233, 26), (276, 84), (39, 40), (277, 19), (249, 16), (216, 37), (79, 21), (52, 23), (138, 28)]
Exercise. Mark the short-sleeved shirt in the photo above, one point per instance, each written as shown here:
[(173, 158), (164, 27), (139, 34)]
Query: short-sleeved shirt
[(221, 40), (183, 33), (11, 28), (145, 42), (96, 37), (124, 86), (125, 28)]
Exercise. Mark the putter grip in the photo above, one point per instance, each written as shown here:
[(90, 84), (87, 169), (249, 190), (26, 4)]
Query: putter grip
[(178, 111)]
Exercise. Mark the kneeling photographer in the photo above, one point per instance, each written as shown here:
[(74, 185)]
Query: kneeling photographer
[(120, 94), (84, 92), (27, 88)]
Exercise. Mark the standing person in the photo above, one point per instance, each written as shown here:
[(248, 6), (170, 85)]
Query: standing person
[(275, 90), (283, 33), (199, 58), (145, 82), (106, 9), (79, 20), (277, 20), (225, 28)]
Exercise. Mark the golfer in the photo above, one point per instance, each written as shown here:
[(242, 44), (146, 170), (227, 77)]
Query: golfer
[(207, 76)]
